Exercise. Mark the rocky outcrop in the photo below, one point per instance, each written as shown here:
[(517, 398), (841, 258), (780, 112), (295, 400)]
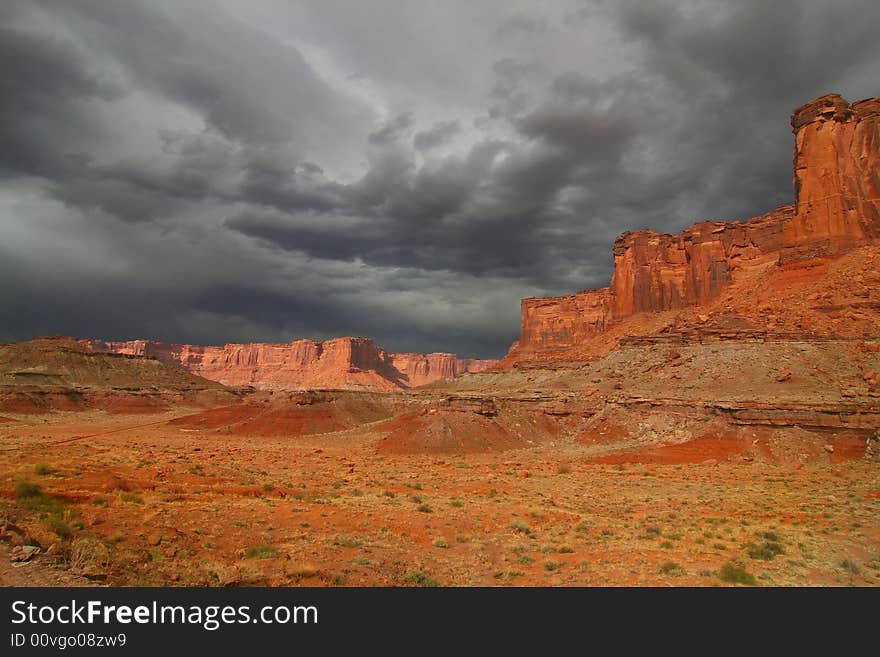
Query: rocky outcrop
[(655, 272), (558, 323), (61, 374), (836, 176), (837, 208), (344, 363), (420, 369)]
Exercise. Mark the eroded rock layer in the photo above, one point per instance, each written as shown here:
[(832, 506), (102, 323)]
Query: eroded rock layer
[(343, 363)]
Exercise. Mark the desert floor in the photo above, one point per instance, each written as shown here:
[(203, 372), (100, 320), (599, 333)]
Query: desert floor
[(134, 500)]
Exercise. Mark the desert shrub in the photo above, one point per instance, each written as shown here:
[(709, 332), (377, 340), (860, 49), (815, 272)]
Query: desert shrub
[(521, 527), (507, 574), (131, 498), (735, 572), (766, 551), (671, 568), (262, 551), (61, 529), (424, 508), (42, 469), (850, 566), (31, 497), (418, 578), (25, 489), (88, 556)]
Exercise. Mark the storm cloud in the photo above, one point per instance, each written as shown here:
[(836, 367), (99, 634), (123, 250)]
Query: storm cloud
[(211, 171)]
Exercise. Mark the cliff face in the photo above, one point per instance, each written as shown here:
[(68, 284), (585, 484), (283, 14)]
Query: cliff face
[(419, 369), (558, 323), (654, 272), (837, 208), (348, 363), (836, 176)]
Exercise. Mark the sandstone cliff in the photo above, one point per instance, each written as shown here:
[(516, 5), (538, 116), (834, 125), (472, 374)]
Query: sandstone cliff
[(836, 176), (837, 208), (343, 363)]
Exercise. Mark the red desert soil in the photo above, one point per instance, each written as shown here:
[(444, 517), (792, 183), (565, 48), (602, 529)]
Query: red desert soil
[(444, 432), (293, 414), (160, 503)]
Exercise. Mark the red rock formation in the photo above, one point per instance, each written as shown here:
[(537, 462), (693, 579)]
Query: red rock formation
[(558, 323), (419, 369), (350, 363), (837, 196), (654, 272), (836, 175)]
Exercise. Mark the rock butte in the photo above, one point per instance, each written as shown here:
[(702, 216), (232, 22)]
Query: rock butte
[(343, 363), (836, 209)]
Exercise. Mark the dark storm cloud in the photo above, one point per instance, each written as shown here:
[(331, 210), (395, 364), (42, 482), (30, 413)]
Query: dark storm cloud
[(43, 83), (392, 130), (205, 170), (246, 86), (438, 135)]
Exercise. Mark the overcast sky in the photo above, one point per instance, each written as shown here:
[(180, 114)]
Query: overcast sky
[(218, 171)]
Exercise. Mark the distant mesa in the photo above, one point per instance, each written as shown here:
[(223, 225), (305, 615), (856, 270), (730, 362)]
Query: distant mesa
[(347, 363), (58, 373)]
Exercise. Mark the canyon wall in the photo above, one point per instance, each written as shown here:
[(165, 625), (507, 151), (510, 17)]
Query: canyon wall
[(837, 207), (654, 272), (419, 369), (559, 323), (349, 363), (836, 176)]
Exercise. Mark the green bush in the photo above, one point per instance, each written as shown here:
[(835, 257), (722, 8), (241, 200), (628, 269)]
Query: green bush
[(734, 572), (31, 497), (25, 489)]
